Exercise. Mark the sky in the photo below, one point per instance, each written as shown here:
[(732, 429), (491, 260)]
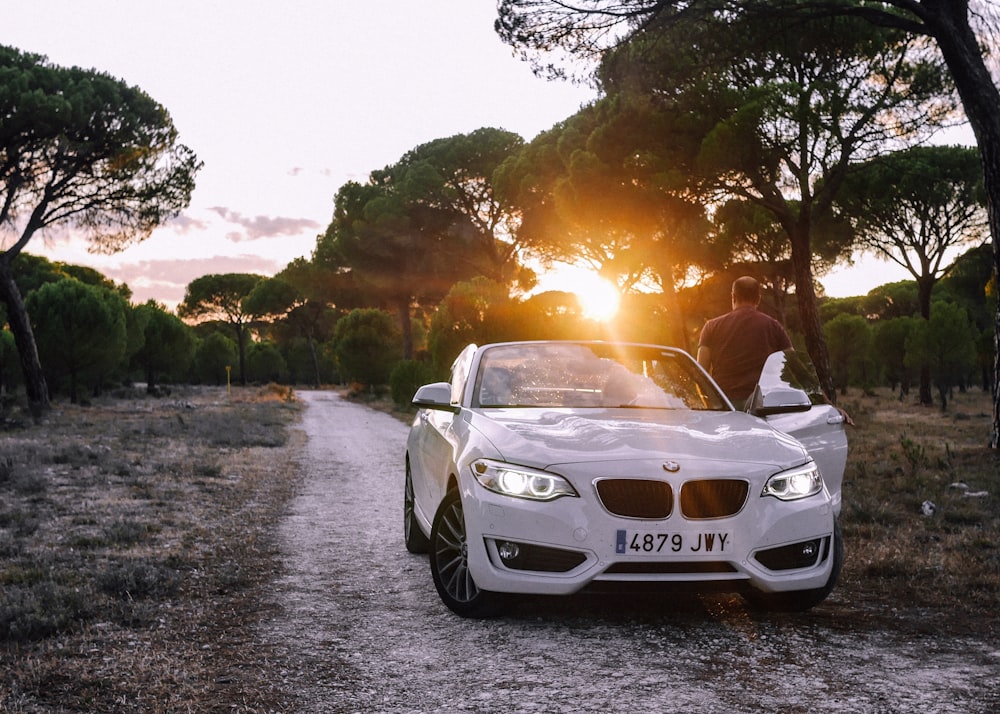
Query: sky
[(286, 102)]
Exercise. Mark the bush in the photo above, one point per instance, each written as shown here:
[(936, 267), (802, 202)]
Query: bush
[(212, 356), (265, 364), (137, 579), (367, 343), (406, 377), (32, 611)]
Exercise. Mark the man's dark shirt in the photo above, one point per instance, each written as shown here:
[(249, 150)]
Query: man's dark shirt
[(739, 343)]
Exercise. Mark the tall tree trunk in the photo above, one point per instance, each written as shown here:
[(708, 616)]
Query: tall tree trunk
[(73, 397), (405, 327), (678, 325), (241, 352), (949, 23), (317, 377), (17, 316), (925, 286), (812, 326)]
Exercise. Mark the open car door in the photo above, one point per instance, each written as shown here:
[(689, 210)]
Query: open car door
[(789, 398)]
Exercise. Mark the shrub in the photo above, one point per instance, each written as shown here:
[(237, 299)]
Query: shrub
[(212, 356), (137, 579), (406, 377), (367, 344), (265, 364), (125, 531), (39, 609)]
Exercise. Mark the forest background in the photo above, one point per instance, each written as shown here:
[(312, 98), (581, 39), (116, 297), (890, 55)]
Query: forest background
[(748, 148)]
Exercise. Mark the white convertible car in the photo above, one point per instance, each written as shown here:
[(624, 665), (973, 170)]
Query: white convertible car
[(558, 467)]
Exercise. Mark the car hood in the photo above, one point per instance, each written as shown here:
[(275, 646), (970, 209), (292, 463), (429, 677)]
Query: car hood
[(547, 437)]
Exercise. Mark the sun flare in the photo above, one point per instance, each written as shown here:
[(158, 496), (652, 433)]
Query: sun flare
[(599, 299)]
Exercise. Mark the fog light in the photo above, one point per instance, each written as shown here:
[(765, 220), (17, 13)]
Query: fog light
[(795, 555), (508, 551)]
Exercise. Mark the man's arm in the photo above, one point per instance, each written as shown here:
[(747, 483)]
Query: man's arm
[(705, 358)]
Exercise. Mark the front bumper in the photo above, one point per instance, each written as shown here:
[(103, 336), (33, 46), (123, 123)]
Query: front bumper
[(571, 544)]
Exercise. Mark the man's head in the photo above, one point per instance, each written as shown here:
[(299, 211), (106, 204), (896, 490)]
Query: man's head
[(746, 291)]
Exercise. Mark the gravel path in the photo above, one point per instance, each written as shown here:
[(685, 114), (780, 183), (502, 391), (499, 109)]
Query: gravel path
[(361, 628)]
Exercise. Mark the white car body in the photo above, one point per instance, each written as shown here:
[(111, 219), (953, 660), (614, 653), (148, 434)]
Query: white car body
[(616, 492)]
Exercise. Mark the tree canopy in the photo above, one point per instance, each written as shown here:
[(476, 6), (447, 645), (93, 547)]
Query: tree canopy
[(773, 114), (81, 329), (283, 299), (84, 151), (915, 207), (603, 188), (367, 346), (167, 348), (220, 297), (457, 174), (548, 32), (418, 226)]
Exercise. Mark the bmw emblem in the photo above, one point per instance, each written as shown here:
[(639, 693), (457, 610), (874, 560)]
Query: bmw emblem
[(671, 466)]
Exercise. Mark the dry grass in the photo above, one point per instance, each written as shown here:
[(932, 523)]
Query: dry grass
[(944, 566), (137, 540), (133, 535)]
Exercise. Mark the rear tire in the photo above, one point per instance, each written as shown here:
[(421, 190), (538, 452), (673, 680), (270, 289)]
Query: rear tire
[(449, 559), (802, 600)]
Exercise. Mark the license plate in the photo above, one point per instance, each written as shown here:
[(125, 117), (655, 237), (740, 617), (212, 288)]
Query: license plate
[(660, 543)]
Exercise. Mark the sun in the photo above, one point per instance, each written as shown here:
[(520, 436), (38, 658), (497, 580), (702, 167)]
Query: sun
[(599, 298)]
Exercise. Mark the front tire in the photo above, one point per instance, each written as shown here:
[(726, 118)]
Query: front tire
[(802, 600), (416, 541), (449, 559)]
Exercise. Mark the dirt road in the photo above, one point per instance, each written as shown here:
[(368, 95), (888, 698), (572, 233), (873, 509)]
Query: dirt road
[(360, 627)]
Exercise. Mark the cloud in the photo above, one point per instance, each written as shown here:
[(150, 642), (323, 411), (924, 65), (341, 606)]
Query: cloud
[(166, 280), (310, 172), (259, 227), (184, 224)]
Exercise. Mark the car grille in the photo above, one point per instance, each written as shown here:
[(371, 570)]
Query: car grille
[(713, 498), (699, 500), (636, 498)]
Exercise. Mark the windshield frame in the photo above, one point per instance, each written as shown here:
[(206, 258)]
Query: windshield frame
[(591, 375)]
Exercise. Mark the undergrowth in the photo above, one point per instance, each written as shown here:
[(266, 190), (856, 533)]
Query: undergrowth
[(921, 513), (132, 531)]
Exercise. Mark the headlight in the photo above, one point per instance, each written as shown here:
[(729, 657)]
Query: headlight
[(794, 484), (521, 482)]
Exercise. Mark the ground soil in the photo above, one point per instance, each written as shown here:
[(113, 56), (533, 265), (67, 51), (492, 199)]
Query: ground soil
[(154, 557), (136, 537)]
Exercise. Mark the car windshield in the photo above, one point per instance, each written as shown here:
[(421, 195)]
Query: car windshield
[(592, 375)]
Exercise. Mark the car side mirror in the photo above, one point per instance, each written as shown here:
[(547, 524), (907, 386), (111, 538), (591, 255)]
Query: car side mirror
[(787, 383), (779, 400), (435, 396)]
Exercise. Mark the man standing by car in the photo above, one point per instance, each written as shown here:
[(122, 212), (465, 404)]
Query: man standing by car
[(733, 347)]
